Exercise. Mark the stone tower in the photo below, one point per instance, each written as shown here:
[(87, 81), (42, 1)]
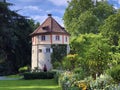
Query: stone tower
[(47, 34)]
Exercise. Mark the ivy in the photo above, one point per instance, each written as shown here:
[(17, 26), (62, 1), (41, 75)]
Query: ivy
[(59, 51)]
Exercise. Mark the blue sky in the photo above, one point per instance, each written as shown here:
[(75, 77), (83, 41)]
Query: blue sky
[(38, 9)]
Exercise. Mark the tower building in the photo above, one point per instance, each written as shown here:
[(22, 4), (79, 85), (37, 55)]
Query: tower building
[(47, 34)]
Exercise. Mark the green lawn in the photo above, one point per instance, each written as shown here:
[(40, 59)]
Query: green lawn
[(29, 85)]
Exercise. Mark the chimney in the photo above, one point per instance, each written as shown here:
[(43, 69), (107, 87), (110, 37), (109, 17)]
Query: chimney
[(49, 15)]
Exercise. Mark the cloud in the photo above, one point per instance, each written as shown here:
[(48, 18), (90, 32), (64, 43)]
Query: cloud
[(36, 8), (115, 7), (39, 18), (118, 1), (59, 20), (30, 0), (59, 2), (61, 11), (115, 1)]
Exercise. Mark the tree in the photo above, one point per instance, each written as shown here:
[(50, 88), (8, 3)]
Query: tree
[(15, 42), (93, 51), (74, 10), (86, 23), (97, 57), (111, 29), (82, 16), (68, 62), (103, 10)]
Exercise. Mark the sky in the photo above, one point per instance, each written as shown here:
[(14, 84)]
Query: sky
[(38, 9)]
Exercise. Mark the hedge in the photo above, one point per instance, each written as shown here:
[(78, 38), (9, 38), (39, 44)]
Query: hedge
[(39, 75)]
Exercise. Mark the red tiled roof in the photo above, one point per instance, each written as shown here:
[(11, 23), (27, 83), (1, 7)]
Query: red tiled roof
[(49, 26)]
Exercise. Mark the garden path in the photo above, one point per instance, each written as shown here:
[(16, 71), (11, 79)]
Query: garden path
[(6, 78)]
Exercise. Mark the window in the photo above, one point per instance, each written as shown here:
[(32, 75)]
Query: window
[(66, 39), (40, 50), (47, 50), (43, 38), (45, 28), (57, 38)]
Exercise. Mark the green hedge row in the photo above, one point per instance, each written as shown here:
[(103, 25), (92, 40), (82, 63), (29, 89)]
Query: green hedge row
[(39, 75)]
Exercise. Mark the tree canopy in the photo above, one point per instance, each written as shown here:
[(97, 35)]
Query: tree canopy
[(111, 29), (15, 42), (82, 16)]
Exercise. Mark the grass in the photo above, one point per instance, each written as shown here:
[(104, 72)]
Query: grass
[(14, 76), (48, 84)]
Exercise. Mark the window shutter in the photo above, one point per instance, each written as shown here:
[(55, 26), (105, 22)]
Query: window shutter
[(51, 50), (44, 50)]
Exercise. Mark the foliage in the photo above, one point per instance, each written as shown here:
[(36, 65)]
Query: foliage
[(102, 82), (103, 10), (59, 51), (87, 23), (79, 73), (57, 65), (98, 57), (81, 85), (24, 69), (110, 29), (93, 53), (82, 16), (15, 43), (72, 12), (115, 73), (70, 81), (66, 79), (38, 75), (68, 62)]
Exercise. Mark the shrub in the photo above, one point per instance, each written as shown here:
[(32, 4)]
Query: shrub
[(115, 73), (102, 82), (56, 65), (39, 75), (23, 69), (79, 73)]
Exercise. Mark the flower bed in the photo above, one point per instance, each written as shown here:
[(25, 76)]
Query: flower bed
[(69, 81)]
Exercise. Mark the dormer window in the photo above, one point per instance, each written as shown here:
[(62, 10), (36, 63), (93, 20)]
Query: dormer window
[(43, 38), (45, 28), (57, 38)]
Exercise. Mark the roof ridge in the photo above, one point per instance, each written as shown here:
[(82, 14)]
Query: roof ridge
[(41, 25), (54, 27)]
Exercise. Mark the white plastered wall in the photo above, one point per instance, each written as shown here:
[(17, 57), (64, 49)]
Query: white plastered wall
[(47, 39), (34, 57), (44, 58), (54, 41)]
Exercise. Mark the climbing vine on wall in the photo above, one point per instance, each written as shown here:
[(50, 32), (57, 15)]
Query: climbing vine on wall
[(59, 51)]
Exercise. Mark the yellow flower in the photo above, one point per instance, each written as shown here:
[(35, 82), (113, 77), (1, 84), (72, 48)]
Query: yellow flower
[(82, 85)]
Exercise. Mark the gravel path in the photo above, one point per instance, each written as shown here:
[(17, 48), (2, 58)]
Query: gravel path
[(5, 78)]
